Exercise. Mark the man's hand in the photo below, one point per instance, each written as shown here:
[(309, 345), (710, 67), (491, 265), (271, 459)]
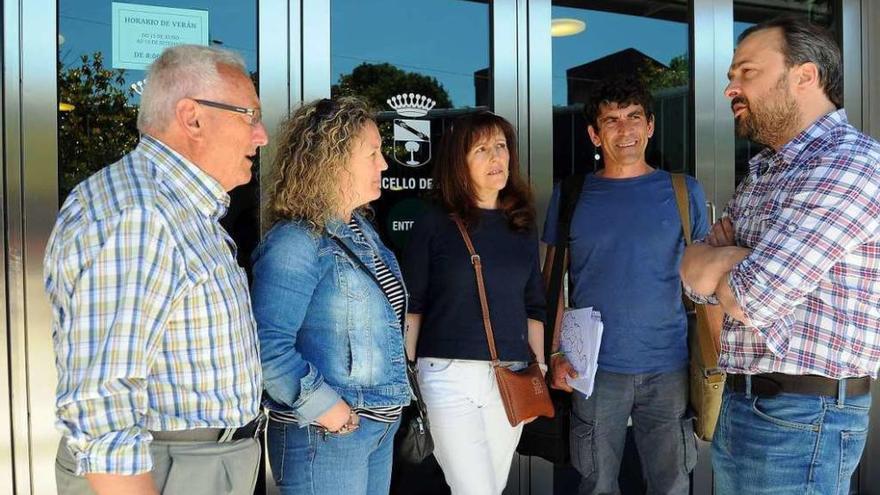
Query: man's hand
[(699, 269), (722, 234), (560, 369), (336, 417), (703, 266)]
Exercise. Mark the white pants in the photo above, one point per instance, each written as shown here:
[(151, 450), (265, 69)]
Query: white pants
[(473, 441)]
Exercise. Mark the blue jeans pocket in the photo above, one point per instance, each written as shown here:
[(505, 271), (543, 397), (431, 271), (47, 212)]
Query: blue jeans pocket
[(792, 414), (276, 440), (851, 445), (583, 453)]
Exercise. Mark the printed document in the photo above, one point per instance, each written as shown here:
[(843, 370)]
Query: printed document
[(580, 339)]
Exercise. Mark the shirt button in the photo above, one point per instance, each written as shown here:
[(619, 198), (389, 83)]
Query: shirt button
[(791, 227)]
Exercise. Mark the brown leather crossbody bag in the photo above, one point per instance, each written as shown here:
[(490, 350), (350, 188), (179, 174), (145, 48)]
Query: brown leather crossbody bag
[(524, 392)]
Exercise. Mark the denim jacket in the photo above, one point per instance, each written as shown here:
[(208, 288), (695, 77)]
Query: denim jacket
[(326, 328)]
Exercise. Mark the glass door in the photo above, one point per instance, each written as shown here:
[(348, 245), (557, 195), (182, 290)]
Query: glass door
[(593, 40), (104, 49), (428, 63)]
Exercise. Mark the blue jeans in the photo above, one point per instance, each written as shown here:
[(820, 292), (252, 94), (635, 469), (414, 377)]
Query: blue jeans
[(309, 461), (788, 444), (664, 434)]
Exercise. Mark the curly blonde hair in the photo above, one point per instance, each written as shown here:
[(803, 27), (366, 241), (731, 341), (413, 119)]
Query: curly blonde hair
[(314, 147)]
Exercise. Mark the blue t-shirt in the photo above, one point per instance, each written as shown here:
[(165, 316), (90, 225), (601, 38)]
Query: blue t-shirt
[(626, 245)]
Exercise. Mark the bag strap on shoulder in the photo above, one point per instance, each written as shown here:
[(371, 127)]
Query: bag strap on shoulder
[(704, 339), (679, 185), (569, 193), (476, 262)]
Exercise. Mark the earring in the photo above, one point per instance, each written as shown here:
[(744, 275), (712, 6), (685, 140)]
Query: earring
[(596, 155)]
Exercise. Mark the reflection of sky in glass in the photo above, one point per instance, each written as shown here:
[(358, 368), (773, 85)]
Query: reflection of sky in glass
[(738, 28), (609, 33), (444, 39), (85, 26)]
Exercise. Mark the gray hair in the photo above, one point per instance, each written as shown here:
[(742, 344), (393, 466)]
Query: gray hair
[(181, 71), (802, 42)]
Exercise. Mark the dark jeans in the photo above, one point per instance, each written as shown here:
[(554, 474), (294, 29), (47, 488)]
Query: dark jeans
[(788, 444), (657, 403)]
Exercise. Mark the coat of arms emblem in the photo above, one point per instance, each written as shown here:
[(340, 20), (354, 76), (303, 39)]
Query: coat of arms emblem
[(412, 137)]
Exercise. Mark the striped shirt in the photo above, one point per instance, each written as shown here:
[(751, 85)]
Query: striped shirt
[(152, 323), (390, 286), (393, 290), (811, 285)]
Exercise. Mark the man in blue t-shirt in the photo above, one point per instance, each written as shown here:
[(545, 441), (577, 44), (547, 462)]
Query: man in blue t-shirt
[(625, 246)]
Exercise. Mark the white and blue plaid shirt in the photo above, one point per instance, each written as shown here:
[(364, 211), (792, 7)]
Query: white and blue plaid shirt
[(152, 322), (811, 285)]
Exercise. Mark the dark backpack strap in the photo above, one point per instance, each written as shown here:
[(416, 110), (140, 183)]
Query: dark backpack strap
[(569, 193)]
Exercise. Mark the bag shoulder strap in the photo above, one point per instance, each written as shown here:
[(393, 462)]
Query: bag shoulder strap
[(704, 339), (679, 185), (569, 193), (481, 288)]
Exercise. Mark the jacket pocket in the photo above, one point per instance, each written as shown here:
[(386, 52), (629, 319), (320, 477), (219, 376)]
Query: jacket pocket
[(350, 278)]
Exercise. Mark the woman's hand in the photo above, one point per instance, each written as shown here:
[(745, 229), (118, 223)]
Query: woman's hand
[(336, 417)]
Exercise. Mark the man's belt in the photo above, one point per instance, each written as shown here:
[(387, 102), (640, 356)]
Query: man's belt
[(770, 384), (220, 435)]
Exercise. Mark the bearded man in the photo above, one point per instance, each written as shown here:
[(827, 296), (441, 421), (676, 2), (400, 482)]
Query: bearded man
[(795, 264)]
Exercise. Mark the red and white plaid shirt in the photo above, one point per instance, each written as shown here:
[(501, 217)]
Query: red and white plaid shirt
[(811, 286)]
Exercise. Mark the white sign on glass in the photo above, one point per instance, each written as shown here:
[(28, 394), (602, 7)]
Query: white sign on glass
[(141, 32)]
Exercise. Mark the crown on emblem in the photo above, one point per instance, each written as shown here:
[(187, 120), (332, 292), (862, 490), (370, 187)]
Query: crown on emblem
[(411, 105)]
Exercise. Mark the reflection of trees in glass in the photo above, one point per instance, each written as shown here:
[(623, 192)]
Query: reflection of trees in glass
[(101, 126), (377, 82), (658, 77)]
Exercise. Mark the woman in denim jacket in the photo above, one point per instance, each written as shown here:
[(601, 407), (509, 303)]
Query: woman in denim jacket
[(328, 299)]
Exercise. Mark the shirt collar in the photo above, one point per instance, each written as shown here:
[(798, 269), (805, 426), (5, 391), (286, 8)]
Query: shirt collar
[(199, 188), (339, 228), (792, 150)]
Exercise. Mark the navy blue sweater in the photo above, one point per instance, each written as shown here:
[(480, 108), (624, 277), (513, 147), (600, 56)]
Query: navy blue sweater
[(443, 287)]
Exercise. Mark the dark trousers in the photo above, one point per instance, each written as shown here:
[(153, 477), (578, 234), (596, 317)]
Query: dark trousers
[(657, 403)]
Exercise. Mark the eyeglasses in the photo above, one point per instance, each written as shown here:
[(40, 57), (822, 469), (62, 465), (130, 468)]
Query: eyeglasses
[(254, 113)]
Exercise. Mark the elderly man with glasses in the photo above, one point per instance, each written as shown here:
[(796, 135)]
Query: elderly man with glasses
[(158, 364)]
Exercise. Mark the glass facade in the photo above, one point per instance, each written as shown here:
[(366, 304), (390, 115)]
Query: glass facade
[(72, 70), (104, 49), (746, 14), (417, 77), (653, 48)]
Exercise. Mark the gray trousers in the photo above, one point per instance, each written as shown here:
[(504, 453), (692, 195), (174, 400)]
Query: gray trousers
[(657, 403), (187, 468)]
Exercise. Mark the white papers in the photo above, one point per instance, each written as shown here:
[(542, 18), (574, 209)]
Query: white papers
[(580, 339)]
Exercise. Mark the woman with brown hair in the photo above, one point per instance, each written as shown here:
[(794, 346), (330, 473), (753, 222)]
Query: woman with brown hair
[(329, 303), (477, 176)]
